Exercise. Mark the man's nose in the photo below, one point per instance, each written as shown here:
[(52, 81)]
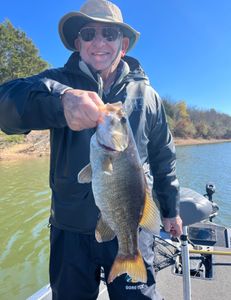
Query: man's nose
[(99, 38)]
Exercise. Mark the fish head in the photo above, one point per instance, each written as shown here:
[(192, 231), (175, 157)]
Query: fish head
[(112, 132)]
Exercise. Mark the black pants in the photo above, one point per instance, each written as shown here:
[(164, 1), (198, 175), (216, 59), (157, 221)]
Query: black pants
[(75, 264)]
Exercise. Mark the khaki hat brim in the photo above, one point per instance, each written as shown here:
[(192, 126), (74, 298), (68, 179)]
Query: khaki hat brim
[(71, 23)]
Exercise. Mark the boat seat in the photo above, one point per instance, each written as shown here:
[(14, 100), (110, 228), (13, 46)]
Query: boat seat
[(194, 207)]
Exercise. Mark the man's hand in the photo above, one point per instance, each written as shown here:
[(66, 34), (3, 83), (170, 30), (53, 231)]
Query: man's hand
[(173, 225), (81, 109)]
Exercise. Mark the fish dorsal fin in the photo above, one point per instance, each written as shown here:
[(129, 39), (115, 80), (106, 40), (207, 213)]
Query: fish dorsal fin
[(150, 219), (103, 231), (107, 166), (85, 175)]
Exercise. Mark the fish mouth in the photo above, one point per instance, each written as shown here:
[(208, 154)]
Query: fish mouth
[(107, 148)]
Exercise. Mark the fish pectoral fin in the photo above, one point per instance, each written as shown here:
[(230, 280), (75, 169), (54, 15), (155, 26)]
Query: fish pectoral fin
[(103, 231), (85, 175), (107, 166), (150, 219), (133, 266)]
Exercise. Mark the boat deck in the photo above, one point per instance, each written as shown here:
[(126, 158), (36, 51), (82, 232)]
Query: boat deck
[(215, 284), (171, 288), (218, 288)]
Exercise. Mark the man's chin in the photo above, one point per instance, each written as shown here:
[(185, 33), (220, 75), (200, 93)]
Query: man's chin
[(100, 67)]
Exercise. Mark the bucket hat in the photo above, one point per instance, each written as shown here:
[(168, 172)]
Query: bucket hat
[(94, 11)]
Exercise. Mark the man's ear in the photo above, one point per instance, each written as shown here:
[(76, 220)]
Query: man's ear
[(77, 44), (125, 45)]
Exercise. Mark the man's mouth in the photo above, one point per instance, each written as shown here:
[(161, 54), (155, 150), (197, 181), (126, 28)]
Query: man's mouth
[(100, 53)]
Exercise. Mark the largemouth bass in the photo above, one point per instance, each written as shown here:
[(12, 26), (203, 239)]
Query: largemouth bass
[(120, 191)]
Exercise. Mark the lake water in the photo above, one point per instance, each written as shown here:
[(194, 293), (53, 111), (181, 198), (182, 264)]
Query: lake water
[(24, 211), (211, 163)]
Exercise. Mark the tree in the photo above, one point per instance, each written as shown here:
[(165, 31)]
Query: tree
[(183, 126), (18, 55), (193, 122), (169, 106), (182, 110), (202, 129)]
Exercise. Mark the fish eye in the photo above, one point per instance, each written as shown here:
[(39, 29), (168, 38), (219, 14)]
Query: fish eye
[(123, 120)]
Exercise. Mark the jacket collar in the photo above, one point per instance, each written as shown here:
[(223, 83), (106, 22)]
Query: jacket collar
[(130, 69)]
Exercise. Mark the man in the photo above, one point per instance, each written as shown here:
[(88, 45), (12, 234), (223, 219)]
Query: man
[(67, 101)]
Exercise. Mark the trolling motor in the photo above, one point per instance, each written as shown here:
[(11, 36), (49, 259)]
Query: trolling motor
[(210, 190)]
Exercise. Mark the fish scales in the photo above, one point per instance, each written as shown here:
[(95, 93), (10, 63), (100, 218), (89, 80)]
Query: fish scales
[(121, 197)]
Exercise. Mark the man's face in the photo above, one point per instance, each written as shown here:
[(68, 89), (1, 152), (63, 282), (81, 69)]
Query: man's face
[(101, 45)]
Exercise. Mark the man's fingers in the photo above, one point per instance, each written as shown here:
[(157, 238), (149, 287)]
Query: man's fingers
[(91, 105), (173, 225), (89, 118), (167, 225), (96, 99), (92, 112), (82, 109), (176, 230)]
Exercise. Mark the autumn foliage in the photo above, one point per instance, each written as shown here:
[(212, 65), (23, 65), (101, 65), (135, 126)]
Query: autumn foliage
[(191, 122)]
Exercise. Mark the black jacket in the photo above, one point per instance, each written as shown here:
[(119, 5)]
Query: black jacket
[(34, 103)]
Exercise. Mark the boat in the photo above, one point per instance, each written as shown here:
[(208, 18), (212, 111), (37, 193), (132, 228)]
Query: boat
[(199, 264), (195, 267)]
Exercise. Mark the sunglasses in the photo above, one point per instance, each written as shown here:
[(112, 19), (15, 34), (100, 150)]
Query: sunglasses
[(111, 34)]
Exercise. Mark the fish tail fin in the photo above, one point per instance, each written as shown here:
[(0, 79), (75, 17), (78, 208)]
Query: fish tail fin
[(133, 266)]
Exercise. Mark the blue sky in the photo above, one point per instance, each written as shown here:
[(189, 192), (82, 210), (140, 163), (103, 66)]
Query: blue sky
[(185, 45)]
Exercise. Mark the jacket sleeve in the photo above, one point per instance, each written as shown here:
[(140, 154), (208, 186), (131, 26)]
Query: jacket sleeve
[(162, 159), (31, 103)]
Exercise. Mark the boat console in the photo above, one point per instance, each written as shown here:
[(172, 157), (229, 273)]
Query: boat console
[(194, 207)]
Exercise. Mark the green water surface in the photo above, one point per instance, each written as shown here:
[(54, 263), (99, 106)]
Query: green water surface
[(25, 203)]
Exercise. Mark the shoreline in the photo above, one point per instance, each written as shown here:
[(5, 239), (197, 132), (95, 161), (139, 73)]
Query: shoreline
[(191, 142), (37, 146)]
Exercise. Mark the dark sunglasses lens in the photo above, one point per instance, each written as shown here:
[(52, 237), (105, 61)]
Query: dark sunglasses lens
[(110, 34), (87, 34)]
